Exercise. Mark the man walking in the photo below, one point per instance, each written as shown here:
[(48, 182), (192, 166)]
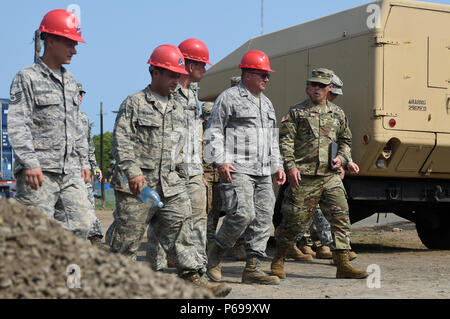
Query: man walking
[(45, 129), (243, 143)]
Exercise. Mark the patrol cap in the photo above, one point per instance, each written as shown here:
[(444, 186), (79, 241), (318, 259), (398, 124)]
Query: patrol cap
[(207, 108), (80, 88), (321, 75), (337, 85), (235, 80)]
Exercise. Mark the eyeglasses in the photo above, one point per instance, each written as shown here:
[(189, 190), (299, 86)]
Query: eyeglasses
[(321, 85), (262, 75)]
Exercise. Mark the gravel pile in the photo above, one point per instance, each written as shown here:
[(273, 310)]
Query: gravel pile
[(40, 259)]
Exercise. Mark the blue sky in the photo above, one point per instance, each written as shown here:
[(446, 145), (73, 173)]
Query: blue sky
[(121, 35)]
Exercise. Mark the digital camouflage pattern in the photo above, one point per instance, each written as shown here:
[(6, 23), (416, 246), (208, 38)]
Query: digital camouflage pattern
[(145, 138), (249, 202), (70, 189), (45, 131), (244, 133), (318, 231), (192, 150), (148, 141), (171, 224), (60, 215), (44, 121), (306, 133)]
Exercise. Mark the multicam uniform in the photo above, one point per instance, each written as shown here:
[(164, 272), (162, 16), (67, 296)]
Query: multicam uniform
[(305, 135), (242, 131), (192, 165), (147, 141), (44, 129)]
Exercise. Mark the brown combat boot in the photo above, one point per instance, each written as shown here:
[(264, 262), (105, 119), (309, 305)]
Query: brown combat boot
[(253, 274), (214, 266), (323, 252), (344, 268), (352, 255), (307, 250), (294, 253), (218, 290), (277, 265)]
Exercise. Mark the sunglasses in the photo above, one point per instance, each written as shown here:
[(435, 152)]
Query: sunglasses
[(262, 75), (321, 85)]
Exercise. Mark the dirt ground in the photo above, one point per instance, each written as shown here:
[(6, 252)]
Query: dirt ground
[(401, 266)]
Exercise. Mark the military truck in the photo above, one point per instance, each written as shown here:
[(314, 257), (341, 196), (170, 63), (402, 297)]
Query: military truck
[(394, 59), (7, 180)]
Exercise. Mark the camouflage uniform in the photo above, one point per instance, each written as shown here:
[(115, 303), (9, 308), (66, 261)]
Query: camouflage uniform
[(148, 141), (305, 135), (213, 202), (45, 132), (242, 132), (95, 229), (318, 231), (192, 164)]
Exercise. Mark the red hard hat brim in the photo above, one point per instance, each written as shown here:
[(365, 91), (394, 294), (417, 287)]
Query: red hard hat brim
[(74, 37)]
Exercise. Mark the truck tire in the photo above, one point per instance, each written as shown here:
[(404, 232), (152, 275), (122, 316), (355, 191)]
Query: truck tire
[(434, 231)]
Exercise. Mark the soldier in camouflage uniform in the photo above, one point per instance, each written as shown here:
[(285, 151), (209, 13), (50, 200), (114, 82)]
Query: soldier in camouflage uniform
[(196, 55), (147, 145), (305, 135), (95, 233), (44, 126), (245, 114)]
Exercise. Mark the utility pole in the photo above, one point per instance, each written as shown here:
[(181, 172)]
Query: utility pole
[(262, 17), (37, 45), (101, 154)]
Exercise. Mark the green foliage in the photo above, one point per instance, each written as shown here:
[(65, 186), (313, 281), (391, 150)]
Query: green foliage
[(108, 159)]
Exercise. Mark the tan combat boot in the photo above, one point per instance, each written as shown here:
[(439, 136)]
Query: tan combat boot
[(277, 265), (214, 266), (294, 253), (253, 274), (218, 290), (323, 252), (352, 255), (307, 250), (344, 268)]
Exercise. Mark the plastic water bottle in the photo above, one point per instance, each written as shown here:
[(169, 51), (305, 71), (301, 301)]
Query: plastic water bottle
[(149, 196)]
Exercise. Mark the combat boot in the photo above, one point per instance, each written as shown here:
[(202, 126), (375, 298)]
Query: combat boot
[(214, 266), (352, 255), (97, 241), (307, 250), (253, 274), (277, 265), (344, 268), (323, 252), (294, 253), (218, 290)]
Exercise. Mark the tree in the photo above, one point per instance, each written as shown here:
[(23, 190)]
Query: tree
[(108, 159)]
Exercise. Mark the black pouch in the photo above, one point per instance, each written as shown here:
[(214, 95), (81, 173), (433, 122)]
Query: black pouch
[(332, 153)]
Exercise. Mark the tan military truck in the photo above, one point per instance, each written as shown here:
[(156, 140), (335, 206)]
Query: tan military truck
[(394, 59)]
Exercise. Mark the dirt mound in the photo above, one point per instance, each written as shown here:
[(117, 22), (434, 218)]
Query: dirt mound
[(40, 259)]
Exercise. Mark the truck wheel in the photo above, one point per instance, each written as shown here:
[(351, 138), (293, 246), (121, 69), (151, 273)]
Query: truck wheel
[(435, 232)]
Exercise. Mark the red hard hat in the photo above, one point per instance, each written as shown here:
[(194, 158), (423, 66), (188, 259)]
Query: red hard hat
[(62, 22), (256, 60), (194, 49), (169, 57)]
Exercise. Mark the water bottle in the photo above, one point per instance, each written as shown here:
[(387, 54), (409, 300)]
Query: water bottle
[(149, 196)]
